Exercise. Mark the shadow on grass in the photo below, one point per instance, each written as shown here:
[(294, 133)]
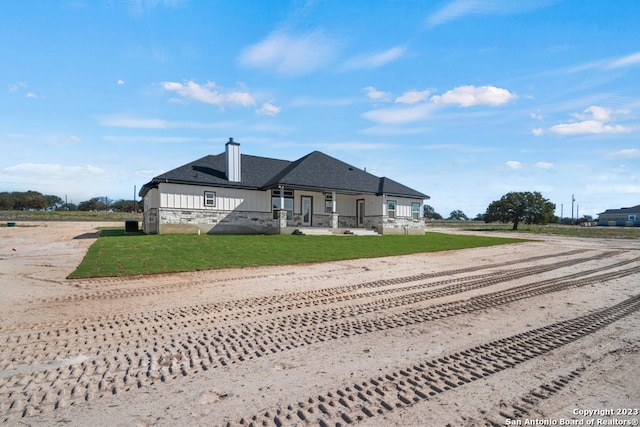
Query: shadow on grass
[(489, 229), (93, 235), (118, 232)]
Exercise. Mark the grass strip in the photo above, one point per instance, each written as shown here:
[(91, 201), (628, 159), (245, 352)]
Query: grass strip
[(118, 254)]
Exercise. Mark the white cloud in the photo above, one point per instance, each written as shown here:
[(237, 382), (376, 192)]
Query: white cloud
[(20, 87), (120, 82), (467, 96), (624, 61), (133, 122), (629, 153), (268, 109), (460, 8), (544, 165), (594, 112), (399, 115), (588, 127), (79, 182), (413, 97), (54, 171), (209, 94), (593, 121), (537, 131), (607, 64), (16, 86), (419, 110), (291, 54), (376, 60), (376, 95), (513, 164), (71, 139)]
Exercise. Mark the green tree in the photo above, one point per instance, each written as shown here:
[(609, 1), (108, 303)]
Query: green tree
[(6, 201), (516, 207), (30, 200), (95, 204), (53, 201), (124, 205), (458, 215), (430, 213)]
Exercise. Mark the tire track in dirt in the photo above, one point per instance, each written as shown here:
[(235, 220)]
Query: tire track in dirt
[(114, 366), (305, 297), (40, 342), (404, 387), (173, 286)]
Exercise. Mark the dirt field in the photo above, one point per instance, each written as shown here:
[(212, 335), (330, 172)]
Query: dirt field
[(533, 333)]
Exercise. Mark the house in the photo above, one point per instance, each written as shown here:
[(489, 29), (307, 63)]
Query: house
[(621, 217), (233, 193)]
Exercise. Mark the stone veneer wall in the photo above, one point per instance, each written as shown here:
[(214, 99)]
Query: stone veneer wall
[(167, 220), (214, 222), (402, 226), (150, 221)]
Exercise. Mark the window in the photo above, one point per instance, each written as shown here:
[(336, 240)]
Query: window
[(415, 211), (391, 208), (632, 217), (209, 198), (288, 203)]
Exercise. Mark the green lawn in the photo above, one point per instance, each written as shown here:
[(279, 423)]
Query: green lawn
[(118, 254)]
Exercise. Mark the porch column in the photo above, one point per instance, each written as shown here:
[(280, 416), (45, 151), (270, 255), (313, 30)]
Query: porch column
[(281, 196), (282, 219), (282, 214), (334, 210)]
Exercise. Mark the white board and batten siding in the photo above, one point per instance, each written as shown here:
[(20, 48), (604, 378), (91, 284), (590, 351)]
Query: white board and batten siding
[(152, 199), (403, 206), (178, 196)]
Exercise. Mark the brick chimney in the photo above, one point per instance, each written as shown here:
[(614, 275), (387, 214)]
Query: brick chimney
[(232, 161)]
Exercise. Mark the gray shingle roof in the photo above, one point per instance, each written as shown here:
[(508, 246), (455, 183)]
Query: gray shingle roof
[(315, 171), (631, 210)]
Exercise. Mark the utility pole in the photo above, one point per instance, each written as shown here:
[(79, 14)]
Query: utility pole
[(573, 199), (561, 212)]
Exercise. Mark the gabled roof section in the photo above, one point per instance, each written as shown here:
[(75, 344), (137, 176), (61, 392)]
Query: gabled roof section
[(314, 172), (320, 172), (317, 171), (632, 209), (210, 171), (393, 188)]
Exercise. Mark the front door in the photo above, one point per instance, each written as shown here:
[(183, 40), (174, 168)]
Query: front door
[(306, 210), (360, 212)]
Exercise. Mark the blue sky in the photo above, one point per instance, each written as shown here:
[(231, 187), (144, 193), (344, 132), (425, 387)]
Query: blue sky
[(464, 100)]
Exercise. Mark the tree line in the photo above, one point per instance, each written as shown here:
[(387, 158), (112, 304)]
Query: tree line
[(33, 200), (514, 207)]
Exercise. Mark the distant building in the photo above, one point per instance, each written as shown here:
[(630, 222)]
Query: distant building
[(628, 217), (234, 193)]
